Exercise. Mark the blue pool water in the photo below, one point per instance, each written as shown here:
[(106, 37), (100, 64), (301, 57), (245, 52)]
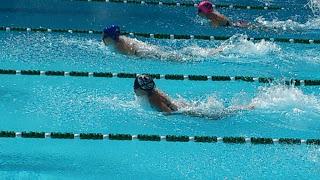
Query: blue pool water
[(108, 105)]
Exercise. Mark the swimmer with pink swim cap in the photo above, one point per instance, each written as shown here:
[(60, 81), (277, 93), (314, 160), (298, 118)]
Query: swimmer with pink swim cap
[(205, 9)]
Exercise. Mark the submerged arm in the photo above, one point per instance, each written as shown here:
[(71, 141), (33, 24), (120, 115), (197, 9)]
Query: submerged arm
[(159, 104), (215, 116)]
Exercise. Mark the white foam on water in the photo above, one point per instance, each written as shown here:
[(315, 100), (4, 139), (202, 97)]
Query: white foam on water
[(199, 20), (115, 102), (293, 109), (286, 98), (314, 5), (289, 24), (237, 46), (190, 51), (210, 107), (240, 45), (85, 44)]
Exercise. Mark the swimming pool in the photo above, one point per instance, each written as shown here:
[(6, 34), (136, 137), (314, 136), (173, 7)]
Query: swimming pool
[(107, 105)]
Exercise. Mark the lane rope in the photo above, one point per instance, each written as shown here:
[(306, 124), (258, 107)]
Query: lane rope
[(162, 36), (186, 4), (168, 138), (295, 82)]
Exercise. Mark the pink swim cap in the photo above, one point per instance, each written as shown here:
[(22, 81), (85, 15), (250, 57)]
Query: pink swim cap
[(205, 7)]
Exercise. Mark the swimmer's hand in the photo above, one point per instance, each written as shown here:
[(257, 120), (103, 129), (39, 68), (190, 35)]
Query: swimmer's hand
[(251, 107), (194, 114), (241, 24)]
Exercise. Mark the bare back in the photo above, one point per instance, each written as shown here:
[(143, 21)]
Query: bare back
[(218, 19), (127, 45), (162, 102)]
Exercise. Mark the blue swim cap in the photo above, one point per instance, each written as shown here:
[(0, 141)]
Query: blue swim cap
[(112, 32)]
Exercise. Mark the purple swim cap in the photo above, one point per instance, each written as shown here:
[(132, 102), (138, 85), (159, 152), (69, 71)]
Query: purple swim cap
[(112, 32)]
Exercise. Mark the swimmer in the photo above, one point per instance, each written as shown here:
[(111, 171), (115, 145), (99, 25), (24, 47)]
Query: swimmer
[(205, 9), (131, 46), (111, 36), (144, 86)]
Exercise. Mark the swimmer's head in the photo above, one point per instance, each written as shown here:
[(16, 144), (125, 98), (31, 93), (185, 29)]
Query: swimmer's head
[(205, 7), (112, 32), (143, 85)]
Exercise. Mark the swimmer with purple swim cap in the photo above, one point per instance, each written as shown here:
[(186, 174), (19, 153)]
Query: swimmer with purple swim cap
[(205, 9), (111, 33), (131, 46), (112, 36)]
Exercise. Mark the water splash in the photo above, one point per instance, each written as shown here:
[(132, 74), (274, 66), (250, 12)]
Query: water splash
[(114, 102), (288, 103), (277, 99), (291, 108), (148, 50), (203, 104), (239, 46), (199, 20), (267, 2), (195, 51), (314, 5), (82, 43), (289, 25), (92, 48), (209, 107), (288, 100)]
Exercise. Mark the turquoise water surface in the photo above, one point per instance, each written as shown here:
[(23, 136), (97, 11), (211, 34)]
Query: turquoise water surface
[(108, 105)]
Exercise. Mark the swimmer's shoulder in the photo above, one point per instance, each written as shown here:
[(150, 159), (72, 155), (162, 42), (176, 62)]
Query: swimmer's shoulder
[(168, 102)]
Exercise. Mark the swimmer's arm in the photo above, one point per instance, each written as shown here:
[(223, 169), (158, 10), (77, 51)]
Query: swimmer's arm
[(219, 20), (130, 49), (198, 114), (234, 109), (164, 108), (127, 45), (159, 104), (228, 111), (217, 50)]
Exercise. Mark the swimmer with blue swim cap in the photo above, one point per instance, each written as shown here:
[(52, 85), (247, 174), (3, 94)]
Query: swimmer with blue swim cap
[(112, 36), (130, 46), (111, 33)]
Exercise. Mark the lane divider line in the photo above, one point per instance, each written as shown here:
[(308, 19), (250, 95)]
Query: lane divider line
[(188, 4), (168, 138), (179, 77), (163, 36)]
